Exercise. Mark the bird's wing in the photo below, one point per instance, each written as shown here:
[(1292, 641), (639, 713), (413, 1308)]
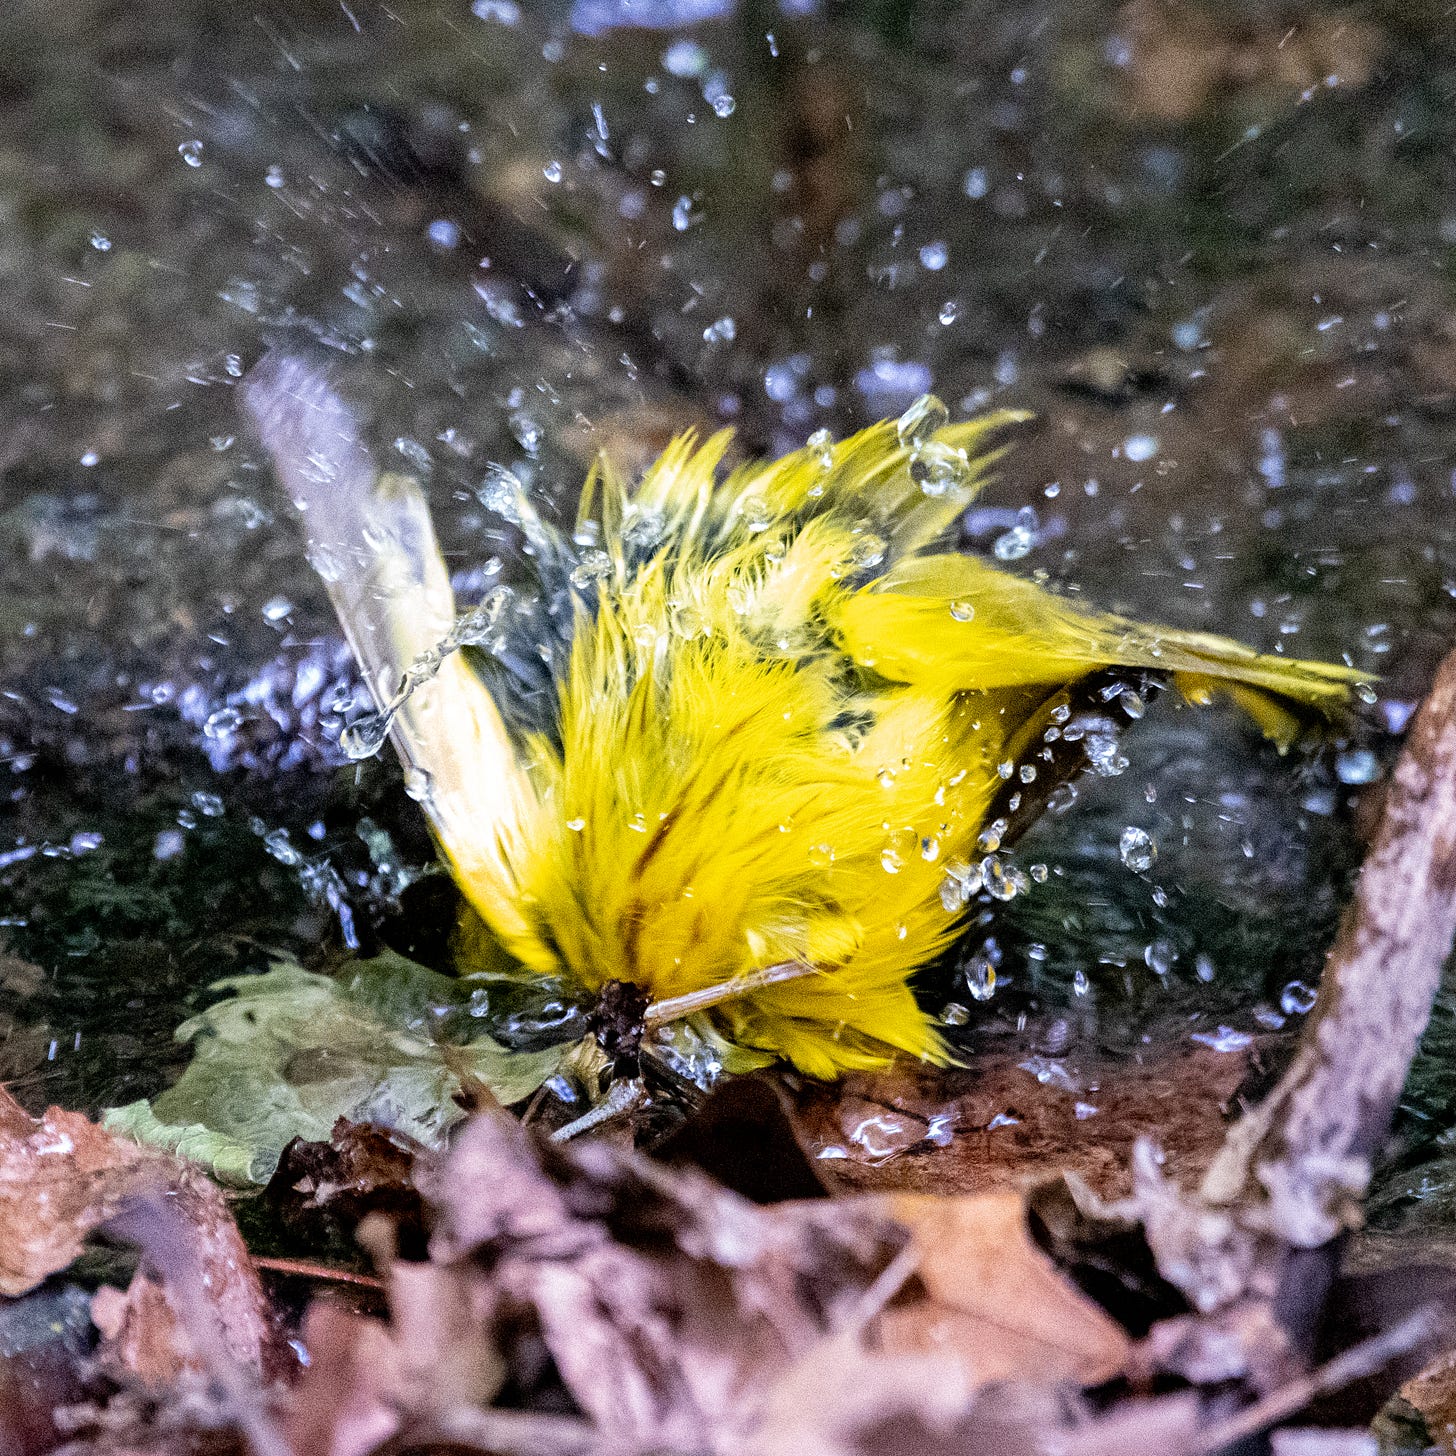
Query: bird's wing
[(372, 542), (957, 624)]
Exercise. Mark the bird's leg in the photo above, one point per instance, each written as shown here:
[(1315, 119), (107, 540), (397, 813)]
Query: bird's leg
[(623, 1098), (674, 1008)]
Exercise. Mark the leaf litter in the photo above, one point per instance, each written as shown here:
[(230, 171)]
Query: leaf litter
[(1138, 1289), (586, 1297), (292, 1051)]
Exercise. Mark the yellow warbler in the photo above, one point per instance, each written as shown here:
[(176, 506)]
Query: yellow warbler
[(754, 781)]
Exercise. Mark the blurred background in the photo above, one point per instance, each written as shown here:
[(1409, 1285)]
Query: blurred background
[(1207, 244)]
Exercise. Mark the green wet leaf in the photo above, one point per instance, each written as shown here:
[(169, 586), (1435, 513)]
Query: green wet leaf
[(228, 1161), (291, 1051)]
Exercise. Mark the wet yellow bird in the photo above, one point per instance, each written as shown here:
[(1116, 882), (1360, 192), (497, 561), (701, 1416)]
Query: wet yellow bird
[(779, 714)]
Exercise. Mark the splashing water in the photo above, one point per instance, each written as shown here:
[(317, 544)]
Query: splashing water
[(365, 736)]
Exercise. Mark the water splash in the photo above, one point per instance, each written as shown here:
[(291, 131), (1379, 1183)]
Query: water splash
[(365, 736)]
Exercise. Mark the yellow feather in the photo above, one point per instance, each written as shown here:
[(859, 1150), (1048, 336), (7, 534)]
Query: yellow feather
[(778, 732)]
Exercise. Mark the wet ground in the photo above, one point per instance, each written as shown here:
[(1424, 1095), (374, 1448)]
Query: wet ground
[(1207, 245)]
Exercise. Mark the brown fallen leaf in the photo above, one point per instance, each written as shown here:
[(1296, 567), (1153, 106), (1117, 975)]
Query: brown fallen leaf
[(993, 1299), (668, 1304), (1433, 1394), (61, 1178), (365, 1378), (322, 1191)]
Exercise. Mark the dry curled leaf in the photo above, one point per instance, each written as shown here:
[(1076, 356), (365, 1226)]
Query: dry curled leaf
[(322, 1191), (61, 1178), (668, 1304), (993, 1299)]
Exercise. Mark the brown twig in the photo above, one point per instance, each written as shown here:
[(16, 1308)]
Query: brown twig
[(509, 1433), (1269, 1219), (308, 1269)]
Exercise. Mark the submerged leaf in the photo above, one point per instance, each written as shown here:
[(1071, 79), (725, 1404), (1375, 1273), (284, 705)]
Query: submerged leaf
[(292, 1051)]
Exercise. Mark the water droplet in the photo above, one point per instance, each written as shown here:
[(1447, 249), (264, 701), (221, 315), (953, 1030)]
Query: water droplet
[(1137, 848), (950, 311), (980, 977), (528, 432), (1038, 873), (938, 468), (593, 566), (476, 627), (1357, 766), (223, 722), (884, 1134), (1080, 985), (1365, 693), (417, 784), (1225, 1039), (1098, 737), (1027, 773), (898, 848), (501, 492), (683, 216), (954, 1014), (867, 552), (755, 513), (934, 256), (989, 839), (552, 171), (101, 242), (275, 609), (365, 736), (276, 843), (191, 152), (919, 423), (721, 331), (961, 881), (1297, 998), (1140, 447), (717, 95), (208, 804), (962, 611), (684, 59), (1012, 545), (415, 453), (273, 177), (325, 562), (1000, 880), (576, 825), (821, 446), (1159, 956), (1132, 704)]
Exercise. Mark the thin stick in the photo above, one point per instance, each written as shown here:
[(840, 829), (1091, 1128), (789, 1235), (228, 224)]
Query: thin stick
[(307, 1269), (1295, 1167), (1357, 1363), (674, 1008), (512, 1433)]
